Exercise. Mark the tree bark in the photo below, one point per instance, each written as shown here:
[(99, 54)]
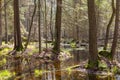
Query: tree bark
[(45, 24), (108, 26), (76, 28), (17, 33), (117, 20), (0, 23), (56, 47), (93, 51), (6, 27), (51, 26), (39, 25)]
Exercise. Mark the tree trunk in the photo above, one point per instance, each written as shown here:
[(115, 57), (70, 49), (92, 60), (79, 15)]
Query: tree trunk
[(45, 24), (6, 27), (76, 28), (76, 21), (108, 26), (17, 40), (17, 33), (0, 23), (31, 24), (56, 47), (51, 26), (117, 19), (93, 51), (39, 25)]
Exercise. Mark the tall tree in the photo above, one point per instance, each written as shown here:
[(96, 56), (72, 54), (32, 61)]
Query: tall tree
[(51, 22), (109, 24), (76, 20), (0, 22), (56, 47), (93, 51), (6, 27), (45, 24), (17, 33), (117, 20), (39, 25)]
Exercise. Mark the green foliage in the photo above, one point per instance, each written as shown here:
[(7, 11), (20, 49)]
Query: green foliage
[(5, 50), (73, 44), (106, 54), (114, 69), (102, 65), (3, 61), (69, 70), (5, 75), (38, 72)]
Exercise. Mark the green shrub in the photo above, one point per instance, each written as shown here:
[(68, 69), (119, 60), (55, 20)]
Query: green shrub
[(102, 65), (105, 54)]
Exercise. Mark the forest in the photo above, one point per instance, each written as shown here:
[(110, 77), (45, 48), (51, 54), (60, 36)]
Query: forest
[(59, 40)]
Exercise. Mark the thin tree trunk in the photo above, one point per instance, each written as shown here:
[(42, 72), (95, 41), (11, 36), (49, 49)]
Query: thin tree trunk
[(76, 30), (117, 20), (39, 25), (0, 23), (6, 27), (108, 26), (34, 34), (98, 17), (51, 28), (28, 19), (31, 24), (76, 21), (46, 33)]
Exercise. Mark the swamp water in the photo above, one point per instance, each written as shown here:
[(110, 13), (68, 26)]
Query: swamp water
[(33, 68)]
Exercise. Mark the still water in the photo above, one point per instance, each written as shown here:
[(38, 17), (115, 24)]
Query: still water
[(31, 68)]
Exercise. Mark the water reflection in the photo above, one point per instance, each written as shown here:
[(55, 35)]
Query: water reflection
[(47, 70), (75, 75)]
